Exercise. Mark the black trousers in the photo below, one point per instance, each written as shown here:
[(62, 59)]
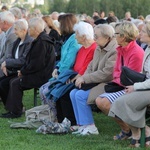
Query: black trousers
[(65, 109), (4, 87), (15, 94)]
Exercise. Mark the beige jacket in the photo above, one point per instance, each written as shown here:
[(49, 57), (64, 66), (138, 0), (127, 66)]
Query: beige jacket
[(146, 84), (100, 69)]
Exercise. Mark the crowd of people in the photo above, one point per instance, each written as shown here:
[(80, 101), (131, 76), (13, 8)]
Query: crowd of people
[(87, 54)]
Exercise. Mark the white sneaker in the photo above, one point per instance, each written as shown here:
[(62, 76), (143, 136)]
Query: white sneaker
[(90, 129), (80, 129)]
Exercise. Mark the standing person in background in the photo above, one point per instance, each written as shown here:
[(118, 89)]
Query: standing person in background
[(102, 14), (4, 8), (24, 12), (140, 17), (55, 16), (95, 13), (128, 16), (111, 14)]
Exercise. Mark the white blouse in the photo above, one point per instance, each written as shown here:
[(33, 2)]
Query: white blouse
[(17, 51)]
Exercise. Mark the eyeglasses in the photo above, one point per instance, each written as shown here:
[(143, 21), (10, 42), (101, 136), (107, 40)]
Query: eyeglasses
[(96, 36)]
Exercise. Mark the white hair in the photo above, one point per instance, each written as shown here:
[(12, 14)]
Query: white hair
[(22, 24), (55, 15), (84, 28), (141, 23), (37, 23), (105, 30), (137, 22), (7, 16), (17, 12), (113, 24), (147, 18)]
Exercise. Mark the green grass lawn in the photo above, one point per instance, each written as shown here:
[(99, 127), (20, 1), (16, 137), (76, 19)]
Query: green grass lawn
[(23, 139)]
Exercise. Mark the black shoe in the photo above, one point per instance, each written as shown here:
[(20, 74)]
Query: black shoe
[(10, 115), (4, 114)]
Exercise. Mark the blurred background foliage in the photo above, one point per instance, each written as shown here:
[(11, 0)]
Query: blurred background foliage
[(136, 7)]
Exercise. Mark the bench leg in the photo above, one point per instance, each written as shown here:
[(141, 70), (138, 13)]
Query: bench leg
[(35, 97), (142, 141)]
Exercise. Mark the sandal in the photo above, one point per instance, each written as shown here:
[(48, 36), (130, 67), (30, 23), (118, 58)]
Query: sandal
[(134, 143), (147, 141), (123, 135)]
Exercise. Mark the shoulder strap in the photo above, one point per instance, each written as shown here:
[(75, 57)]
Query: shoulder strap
[(122, 62)]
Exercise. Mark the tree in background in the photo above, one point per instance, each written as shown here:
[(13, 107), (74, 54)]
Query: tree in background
[(59, 5), (46, 8), (83, 6), (136, 7)]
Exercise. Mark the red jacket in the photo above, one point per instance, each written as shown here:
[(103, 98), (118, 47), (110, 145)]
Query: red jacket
[(132, 55), (84, 57)]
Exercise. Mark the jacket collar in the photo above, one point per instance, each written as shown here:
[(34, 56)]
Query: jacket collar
[(10, 30), (44, 37), (26, 40), (110, 45), (126, 48)]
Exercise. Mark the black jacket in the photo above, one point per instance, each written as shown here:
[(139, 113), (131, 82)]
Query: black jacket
[(40, 62), (24, 48)]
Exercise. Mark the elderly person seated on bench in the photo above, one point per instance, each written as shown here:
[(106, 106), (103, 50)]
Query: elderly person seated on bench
[(131, 107), (36, 71), (69, 51), (98, 72), (85, 36), (16, 58), (130, 54)]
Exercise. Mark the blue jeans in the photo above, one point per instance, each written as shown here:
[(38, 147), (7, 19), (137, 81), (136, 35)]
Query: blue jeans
[(82, 110), (43, 92)]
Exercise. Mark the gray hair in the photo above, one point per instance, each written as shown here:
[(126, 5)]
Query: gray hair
[(137, 22), (37, 23), (54, 15), (128, 30), (17, 12), (7, 16), (147, 18), (147, 27), (105, 30), (84, 28), (22, 24)]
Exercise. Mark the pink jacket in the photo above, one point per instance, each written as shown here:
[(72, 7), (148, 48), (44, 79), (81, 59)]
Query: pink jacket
[(132, 57)]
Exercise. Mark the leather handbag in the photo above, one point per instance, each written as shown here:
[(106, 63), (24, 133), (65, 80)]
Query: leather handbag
[(111, 87), (129, 77), (88, 86)]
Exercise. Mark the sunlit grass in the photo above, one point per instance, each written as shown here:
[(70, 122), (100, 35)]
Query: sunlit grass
[(23, 139)]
